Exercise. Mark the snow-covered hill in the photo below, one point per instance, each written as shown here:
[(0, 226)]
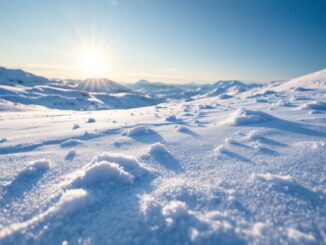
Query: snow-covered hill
[(249, 169), (315, 80), (101, 85), (229, 87), (187, 91), (19, 89), (164, 91), (13, 77)]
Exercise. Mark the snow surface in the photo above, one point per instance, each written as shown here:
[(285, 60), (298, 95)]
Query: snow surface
[(249, 169)]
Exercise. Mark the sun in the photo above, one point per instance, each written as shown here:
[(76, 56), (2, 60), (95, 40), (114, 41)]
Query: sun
[(91, 55), (93, 63)]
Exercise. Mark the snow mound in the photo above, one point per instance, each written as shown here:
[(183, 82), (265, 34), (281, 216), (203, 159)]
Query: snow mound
[(76, 126), (312, 145), (139, 131), (158, 149), (174, 210), (127, 162), (282, 103), (254, 135), (37, 166), (273, 177), (2, 140), (103, 172), (71, 154), (70, 203), (91, 120), (183, 129), (108, 168), (314, 105), (300, 237), (73, 201), (176, 219), (220, 149), (71, 143), (225, 96), (206, 106), (171, 118), (243, 117), (230, 140)]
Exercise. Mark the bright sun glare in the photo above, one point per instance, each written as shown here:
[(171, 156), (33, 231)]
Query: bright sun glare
[(93, 63)]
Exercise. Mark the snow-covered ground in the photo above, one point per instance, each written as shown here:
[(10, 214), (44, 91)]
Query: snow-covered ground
[(247, 168)]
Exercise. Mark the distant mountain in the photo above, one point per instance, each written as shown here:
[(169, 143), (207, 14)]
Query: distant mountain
[(23, 88), (19, 88), (101, 85), (165, 91), (161, 90), (14, 77), (230, 87), (187, 91)]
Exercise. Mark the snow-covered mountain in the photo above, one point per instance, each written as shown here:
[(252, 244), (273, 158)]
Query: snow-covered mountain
[(187, 91), (13, 77), (101, 85), (19, 89), (230, 87), (164, 91)]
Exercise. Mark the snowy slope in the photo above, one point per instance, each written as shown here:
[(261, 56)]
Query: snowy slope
[(315, 80), (19, 77), (245, 170)]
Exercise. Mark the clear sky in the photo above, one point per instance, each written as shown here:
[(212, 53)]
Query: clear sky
[(165, 40)]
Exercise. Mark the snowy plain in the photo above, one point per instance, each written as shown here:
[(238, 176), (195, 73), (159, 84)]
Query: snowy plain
[(242, 166)]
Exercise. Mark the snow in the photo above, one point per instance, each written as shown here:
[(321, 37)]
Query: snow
[(314, 105), (185, 130), (73, 201), (243, 116), (37, 166), (76, 126), (299, 236), (91, 120), (230, 140), (270, 177), (2, 140), (182, 224), (71, 142), (127, 162), (71, 155), (158, 149), (220, 149), (140, 131), (103, 172), (171, 118), (174, 210), (249, 169), (315, 80)]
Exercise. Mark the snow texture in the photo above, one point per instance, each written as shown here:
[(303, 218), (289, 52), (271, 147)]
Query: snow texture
[(222, 163)]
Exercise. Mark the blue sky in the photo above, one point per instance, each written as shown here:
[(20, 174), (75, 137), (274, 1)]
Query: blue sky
[(166, 40)]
